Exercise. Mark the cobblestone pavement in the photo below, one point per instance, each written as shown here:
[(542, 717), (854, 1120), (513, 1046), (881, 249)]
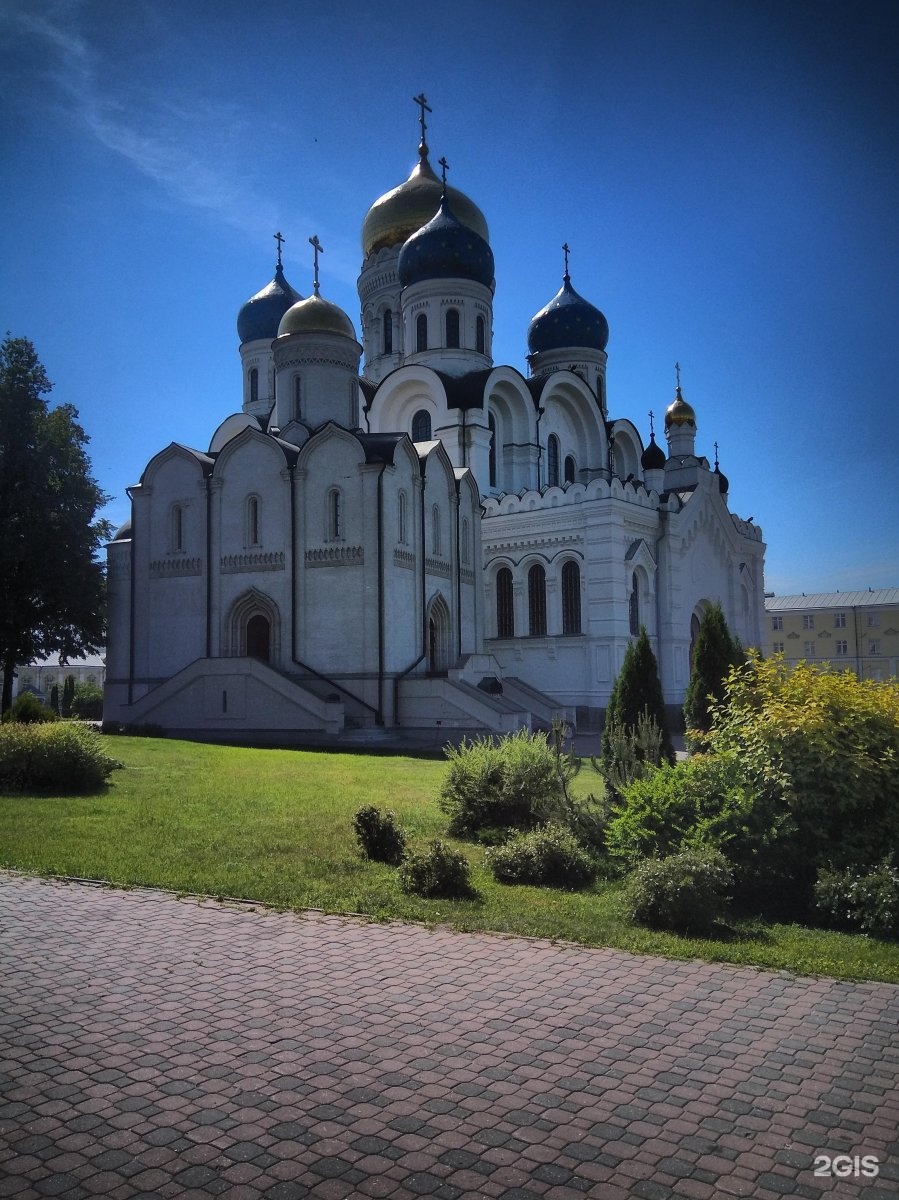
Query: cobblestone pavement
[(154, 1047)]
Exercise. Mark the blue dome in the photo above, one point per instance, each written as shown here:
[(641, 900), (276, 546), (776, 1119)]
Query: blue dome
[(262, 313), (445, 249), (568, 320), (653, 458)]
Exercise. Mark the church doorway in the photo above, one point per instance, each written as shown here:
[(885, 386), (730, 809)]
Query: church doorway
[(438, 637), (259, 638)]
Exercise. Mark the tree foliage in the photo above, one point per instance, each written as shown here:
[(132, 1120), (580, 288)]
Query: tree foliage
[(636, 695), (714, 654), (51, 582)]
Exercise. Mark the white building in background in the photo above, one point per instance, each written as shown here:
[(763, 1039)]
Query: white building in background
[(430, 541), (43, 674)]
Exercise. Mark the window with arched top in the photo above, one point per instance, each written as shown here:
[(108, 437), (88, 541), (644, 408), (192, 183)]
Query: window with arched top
[(571, 598), (570, 469), (354, 404), (552, 460), (177, 527), (387, 331), (297, 398), (402, 520), (505, 611), (633, 607), (421, 426), (436, 545), (465, 538), (421, 332), (537, 601), (254, 385), (452, 328), (480, 335), (253, 521), (491, 454), (335, 515)]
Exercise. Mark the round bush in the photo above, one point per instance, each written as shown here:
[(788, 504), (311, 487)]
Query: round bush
[(61, 757), (687, 892), (441, 872), (380, 836), (549, 857), (866, 902), (512, 782), (28, 710)]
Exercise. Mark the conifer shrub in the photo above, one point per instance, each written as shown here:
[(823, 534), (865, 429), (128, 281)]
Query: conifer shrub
[(441, 872), (549, 856), (54, 698), (52, 757), (714, 654), (28, 710), (68, 695), (380, 836), (862, 902), (686, 892), (630, 752), (637, 695)]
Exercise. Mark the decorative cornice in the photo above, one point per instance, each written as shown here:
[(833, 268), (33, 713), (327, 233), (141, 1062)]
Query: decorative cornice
[(335, 556), (437, 566), (236, 563), (533, 543), (172, 568), (404, 558)]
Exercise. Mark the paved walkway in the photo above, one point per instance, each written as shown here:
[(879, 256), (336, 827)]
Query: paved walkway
[(162, 1048)]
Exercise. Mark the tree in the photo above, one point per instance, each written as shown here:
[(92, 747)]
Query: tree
[(636, 691), (68, 695), (51, 581), (54, 698), (714, 654)]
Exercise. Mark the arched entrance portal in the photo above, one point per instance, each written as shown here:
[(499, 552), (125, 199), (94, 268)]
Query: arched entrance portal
[(438, 637), (259, 638), (253, 628)]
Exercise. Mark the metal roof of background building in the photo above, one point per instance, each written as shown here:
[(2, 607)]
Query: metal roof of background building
[(868, 599)]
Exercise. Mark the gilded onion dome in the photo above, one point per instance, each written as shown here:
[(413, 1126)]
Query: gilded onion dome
[(316, 315), (679, 412), (568, 320), (399, 213), (444, 248), (260, 316)]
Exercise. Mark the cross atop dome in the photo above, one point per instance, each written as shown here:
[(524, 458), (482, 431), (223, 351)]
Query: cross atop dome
[(279, 238), (566, 252), (317, 248), (422, 102)]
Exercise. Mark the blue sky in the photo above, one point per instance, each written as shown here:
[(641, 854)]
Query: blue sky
[(725, 174)]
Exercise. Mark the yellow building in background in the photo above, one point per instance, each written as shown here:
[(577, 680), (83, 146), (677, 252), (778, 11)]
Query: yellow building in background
[(857, 631)]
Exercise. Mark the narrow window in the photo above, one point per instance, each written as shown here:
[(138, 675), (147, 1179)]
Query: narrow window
[(354, 404), (569, 469), (388, 331), (552, 461), (873, 620), (809, 649), (537, 601), (452, 328), (571, 598), (480, 335), (253, 521), (177, 527), (491, 425), (254, 385), (505, 615), (297, 398), (402, 535), (839, 620), (465, 551), (421, 332), (335, 516), (778, 647), (421, 426), (809, 622), (777, 622), (435, 531), (634, 609), (874, 646), (842, 647)]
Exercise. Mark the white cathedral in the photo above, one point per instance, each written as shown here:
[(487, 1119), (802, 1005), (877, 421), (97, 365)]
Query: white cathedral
[(427, 545)]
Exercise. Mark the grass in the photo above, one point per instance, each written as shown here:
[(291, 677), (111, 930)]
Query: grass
[(275, 826)]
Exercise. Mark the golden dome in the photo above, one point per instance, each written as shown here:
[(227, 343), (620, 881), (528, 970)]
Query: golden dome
[(679, 412), (398, 214), (315, 315)]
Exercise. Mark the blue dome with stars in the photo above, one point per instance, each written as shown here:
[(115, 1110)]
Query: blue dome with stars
[(567, 321), (444, 248), (262, 313)]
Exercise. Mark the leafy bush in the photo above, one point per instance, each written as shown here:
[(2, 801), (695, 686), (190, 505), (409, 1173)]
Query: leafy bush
[(512, 783), (550, 856), (380, 837), (869, 902), (686, 892), (87, 702), (51, 757), (28, 710), (441, 872)]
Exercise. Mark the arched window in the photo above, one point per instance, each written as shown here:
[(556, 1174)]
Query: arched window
[(335, 515), (491, 425), (387, 320), (421, 332), (253, 521), (480, 335), (552, 461), (571, 598), (402, 530), (177, 527), (634, 607), (421, 426), (297, 398), (537, 601), (452, 328), (435, 531), (465, 548), (259, 638), (254, 385), (569, 469), (505, 613), (354, 404)]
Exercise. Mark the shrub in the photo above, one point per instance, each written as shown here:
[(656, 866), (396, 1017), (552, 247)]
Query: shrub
[(629, 752), (686, 892), (52, 758), (54, 698), (509, 783), (637, 692), (441, 872), (68, 694), (714, 654), (87, 702), (550, 856), (28, 710), (380, 837), (869, 902)]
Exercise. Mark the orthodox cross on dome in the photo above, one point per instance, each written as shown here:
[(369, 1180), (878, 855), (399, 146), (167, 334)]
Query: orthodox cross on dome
[(317, 249), (279, 239), (652, 428), (422, 102), (716, 456), (444, 167), (567, 252), (677, 372)]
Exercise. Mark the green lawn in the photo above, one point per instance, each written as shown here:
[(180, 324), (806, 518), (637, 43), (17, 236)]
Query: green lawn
[(276, 826)]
